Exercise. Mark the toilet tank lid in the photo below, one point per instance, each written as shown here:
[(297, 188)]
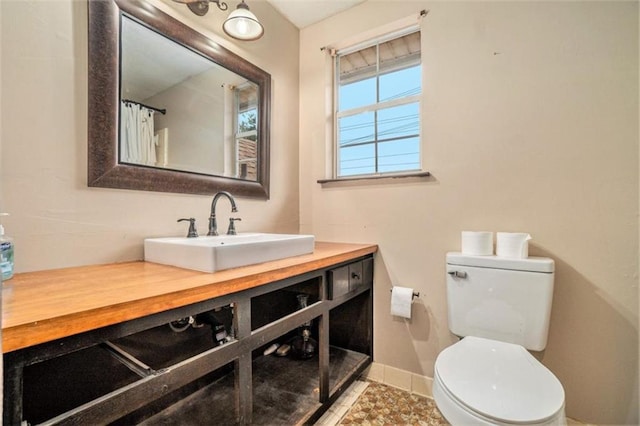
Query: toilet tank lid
[(530, 264)]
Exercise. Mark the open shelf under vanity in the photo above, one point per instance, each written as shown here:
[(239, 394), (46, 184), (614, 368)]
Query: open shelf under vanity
[(203, 363)]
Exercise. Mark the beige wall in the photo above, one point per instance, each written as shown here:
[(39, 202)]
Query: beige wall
[(541, 136), (530, 124), (56, 220)]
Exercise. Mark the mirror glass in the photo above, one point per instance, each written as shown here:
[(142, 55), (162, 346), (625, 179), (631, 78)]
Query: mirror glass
[(182, 111), (171, 110)]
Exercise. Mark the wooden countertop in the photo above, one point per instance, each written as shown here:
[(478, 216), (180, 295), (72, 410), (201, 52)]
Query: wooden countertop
[(41, 306)]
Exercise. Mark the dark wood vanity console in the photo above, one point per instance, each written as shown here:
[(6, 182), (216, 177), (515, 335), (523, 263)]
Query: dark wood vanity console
[(110, 344)]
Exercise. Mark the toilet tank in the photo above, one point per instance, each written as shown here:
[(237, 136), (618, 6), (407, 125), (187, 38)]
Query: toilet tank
[(499, 298)]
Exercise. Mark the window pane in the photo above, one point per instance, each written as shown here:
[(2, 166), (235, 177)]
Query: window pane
[(357, 160), (248, 170), (399, 84), (356, 129), (354, 95), (400, 121), (247, 120), (399, 155), (384, 139), (247, 96), (394, 54)]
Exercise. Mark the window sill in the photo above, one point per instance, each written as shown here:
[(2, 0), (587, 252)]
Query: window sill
[(383, 178)]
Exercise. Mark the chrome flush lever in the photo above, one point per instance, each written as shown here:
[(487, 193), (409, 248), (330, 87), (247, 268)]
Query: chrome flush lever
[(458, 274)]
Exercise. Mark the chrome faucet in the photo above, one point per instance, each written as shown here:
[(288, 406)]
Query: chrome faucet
[(213, 225)]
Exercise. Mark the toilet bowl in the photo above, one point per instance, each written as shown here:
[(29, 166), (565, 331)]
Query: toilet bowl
[(480, 381)]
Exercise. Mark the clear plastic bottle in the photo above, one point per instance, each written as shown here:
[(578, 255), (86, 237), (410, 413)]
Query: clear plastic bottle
[(6, 255)]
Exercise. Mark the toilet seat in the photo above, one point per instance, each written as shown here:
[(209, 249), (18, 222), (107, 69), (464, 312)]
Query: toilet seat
[(498, 382)]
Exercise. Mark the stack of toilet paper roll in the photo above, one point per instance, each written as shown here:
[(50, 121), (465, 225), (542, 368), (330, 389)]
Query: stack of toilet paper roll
[(514, 245), (477, 243)]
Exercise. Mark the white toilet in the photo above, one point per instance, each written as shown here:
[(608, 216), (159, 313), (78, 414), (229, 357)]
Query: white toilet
[(501, 307)]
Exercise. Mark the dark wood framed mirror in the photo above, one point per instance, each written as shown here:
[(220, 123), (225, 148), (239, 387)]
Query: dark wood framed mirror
[(106, 167)]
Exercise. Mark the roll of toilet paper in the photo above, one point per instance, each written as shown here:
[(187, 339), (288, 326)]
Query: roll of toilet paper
[(514, 245), (401, 298), (477, 243)]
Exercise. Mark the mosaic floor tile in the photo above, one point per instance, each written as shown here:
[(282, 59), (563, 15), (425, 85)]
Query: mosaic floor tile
[(383, 405)]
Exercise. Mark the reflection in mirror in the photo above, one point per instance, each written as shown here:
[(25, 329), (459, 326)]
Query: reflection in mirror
[(181, 111), (170, 110)]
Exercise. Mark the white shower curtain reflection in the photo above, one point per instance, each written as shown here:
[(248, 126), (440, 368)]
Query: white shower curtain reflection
[(137, 140)]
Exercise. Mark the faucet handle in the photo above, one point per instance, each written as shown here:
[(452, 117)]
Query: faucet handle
[(192, 233), (232, 226)]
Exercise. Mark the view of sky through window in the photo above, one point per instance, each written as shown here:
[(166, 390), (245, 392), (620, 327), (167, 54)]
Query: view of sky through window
[(379, 118)]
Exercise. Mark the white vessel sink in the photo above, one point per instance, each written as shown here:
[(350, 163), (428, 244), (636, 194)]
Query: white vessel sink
[(210, 254)]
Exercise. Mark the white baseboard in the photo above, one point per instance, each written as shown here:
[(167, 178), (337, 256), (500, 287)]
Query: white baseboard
[(402, 379)]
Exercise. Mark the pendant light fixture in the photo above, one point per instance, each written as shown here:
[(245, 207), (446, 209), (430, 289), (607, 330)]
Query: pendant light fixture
[(241, 24)]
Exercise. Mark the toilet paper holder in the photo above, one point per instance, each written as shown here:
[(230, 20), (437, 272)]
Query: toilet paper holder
[(413, 296)]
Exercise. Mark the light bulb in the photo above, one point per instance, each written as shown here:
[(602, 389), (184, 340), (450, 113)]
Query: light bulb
[(242, 24)]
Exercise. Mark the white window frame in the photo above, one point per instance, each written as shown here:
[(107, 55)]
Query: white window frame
[(337, 115), (238, 135)]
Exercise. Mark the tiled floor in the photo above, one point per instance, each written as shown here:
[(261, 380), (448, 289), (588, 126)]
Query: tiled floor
[(371, 403), (343, 404)]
